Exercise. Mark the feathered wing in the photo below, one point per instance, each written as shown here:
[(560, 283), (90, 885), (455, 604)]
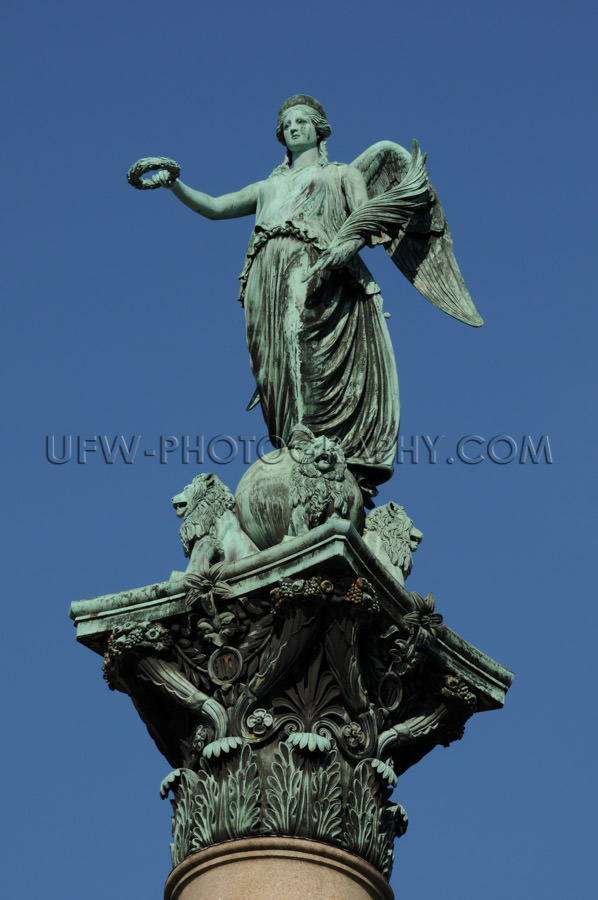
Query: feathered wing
[(419, 241), (391, 210)]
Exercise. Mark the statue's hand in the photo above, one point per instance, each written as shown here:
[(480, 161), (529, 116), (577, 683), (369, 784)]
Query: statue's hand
[(166, 170), (162, 179), (336, 256)]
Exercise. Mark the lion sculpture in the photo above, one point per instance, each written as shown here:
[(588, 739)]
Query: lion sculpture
[(320, 485), (392, 537), (210, 532)]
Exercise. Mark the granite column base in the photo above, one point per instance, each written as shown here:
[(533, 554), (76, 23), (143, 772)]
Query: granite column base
[(275, 868)]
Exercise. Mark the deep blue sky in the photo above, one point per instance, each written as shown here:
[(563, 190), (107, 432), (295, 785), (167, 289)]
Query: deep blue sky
[(121, 318)]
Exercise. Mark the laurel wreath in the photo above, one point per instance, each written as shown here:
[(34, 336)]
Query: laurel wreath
[(151, 164)]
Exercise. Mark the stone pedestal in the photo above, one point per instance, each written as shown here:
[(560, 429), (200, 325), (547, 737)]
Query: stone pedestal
[(275, 868)]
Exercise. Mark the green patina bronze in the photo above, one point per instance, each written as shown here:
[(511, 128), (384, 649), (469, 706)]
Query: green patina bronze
[(318, 344), (289, 688), (288, 676)]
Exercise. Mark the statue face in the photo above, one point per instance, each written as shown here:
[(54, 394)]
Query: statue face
[(298, 130)]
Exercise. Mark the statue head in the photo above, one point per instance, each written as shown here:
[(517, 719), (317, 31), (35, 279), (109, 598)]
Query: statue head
[(312, 108)]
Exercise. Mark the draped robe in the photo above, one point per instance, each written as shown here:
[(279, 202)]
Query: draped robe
[(320, 350)]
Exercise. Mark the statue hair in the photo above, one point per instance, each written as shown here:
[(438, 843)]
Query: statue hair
[(323, 130)]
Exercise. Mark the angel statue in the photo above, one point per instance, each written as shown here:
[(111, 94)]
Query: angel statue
[(318, 343)]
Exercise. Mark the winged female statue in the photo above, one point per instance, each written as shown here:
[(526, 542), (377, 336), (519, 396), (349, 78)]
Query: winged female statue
[(318, 342)]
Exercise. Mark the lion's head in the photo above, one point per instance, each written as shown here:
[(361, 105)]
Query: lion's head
[(318, 457), (398, 534), (200, 504)]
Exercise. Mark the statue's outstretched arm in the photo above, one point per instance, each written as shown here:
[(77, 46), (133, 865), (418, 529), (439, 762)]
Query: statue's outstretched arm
[(227, 206)]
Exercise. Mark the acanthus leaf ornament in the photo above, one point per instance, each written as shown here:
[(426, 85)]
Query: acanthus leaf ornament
[(323, 691), (287, 675)]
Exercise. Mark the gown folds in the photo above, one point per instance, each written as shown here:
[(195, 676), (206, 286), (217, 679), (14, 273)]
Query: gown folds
[(320, 350)]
